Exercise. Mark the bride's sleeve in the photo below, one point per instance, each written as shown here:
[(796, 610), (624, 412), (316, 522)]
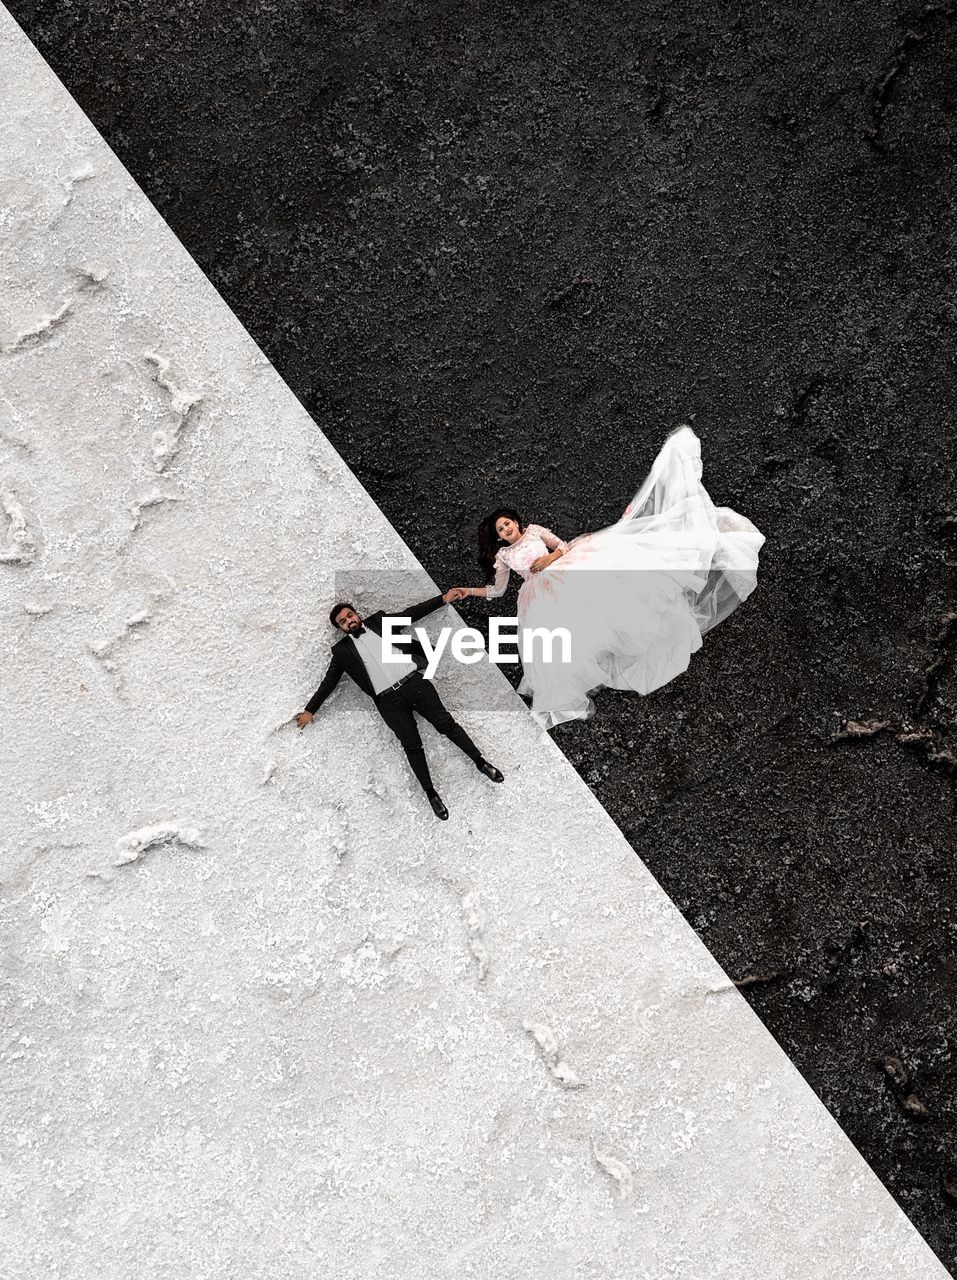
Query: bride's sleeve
[(551, 541), (497, 588)]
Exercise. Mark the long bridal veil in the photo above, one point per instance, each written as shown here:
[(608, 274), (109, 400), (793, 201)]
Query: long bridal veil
[(672, 515), (637, 596)]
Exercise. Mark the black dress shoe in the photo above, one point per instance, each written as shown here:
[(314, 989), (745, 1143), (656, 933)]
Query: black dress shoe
[(489, 770), (438, 808)]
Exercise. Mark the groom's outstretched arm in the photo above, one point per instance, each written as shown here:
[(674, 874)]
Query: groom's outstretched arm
[(329, 681), (417, 611)]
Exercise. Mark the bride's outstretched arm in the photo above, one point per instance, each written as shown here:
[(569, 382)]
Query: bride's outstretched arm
[(493, 589)]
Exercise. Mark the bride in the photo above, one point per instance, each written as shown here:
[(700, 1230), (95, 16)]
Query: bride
[(636, 598)]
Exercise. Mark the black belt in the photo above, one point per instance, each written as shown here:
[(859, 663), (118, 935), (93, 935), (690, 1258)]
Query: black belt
[(392, 687)]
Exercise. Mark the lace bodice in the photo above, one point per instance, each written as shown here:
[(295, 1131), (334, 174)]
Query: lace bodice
[(535, 542)]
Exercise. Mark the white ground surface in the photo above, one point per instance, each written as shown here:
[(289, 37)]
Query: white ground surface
[(263, 1045)]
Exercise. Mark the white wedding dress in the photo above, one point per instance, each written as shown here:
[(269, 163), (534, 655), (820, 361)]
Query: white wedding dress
[(637, 597)]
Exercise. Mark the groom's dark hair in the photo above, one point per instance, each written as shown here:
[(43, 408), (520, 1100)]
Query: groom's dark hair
[(337, 609)]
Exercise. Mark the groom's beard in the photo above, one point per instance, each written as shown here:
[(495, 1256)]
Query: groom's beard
[(353, 627)]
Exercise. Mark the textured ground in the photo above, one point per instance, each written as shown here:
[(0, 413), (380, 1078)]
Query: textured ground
[(498, 254), (263, 1015)]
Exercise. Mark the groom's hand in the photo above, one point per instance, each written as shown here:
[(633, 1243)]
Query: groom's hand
[(455, 595), (304, 718)]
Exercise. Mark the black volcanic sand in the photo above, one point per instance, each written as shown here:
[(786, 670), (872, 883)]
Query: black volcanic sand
[(499, 255)]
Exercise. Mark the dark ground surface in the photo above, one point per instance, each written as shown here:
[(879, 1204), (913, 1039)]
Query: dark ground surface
[(499, 254)]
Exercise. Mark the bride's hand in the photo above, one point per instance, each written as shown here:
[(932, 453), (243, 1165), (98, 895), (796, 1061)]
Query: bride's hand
[(541, 563), (456, 594)]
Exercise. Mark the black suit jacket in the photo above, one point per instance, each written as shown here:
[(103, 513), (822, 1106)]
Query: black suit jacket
[(346, 659)]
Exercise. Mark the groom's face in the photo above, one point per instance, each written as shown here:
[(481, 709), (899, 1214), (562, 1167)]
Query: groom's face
[(348, 620)]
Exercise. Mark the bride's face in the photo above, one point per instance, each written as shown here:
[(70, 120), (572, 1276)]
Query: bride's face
[(507, 529)]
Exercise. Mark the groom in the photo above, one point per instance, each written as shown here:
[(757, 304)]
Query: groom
[(398, 688)]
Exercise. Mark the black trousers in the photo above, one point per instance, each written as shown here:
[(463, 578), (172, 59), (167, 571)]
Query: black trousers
[(398, 709)]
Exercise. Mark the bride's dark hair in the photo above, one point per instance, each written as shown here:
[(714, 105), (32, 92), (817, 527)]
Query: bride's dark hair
[(489, 541)]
